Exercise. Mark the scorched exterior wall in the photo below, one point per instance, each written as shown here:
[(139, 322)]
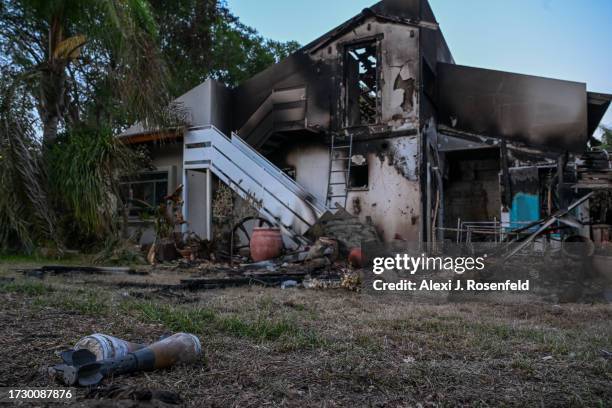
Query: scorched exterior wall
[(391, 202)]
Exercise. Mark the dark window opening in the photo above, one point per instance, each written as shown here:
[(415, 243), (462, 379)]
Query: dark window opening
[(145, 191), (361, 84), (359, 177)]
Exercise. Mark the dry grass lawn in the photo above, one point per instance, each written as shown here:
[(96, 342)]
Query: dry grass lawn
[(273, 347)]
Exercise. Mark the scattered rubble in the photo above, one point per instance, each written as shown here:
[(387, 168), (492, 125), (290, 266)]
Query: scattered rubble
[(64, 269), (345, 228)]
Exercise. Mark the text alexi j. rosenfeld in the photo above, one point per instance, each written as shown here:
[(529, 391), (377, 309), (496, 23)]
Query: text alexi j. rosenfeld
[(450, 285)]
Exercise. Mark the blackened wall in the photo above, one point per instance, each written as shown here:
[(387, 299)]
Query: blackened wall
[(471, 190), (521, 108)]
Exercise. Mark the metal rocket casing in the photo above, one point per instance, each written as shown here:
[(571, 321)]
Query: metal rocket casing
[(105, 346)]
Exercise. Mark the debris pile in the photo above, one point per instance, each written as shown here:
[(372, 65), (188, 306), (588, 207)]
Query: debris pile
[(308, 268), (344, 228)]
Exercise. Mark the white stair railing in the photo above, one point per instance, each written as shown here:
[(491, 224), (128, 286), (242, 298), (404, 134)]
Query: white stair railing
[(281, 200)]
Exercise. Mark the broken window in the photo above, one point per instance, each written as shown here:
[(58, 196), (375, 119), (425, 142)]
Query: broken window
[(361, 84), (147, 188), (359, 174)]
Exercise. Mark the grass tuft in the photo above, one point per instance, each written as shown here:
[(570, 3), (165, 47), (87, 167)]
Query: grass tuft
[(192, 320), (260, 329), (26, 287), (204, 320), (79, 301)]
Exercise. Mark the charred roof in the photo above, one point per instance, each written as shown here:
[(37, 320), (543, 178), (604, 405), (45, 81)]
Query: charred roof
[(533, 110)]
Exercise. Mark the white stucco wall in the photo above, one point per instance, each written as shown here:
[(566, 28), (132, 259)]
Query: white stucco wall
[(392, 199), (312, 168)]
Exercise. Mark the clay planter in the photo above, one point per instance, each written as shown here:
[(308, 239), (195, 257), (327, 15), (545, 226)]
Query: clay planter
[(266, 243)]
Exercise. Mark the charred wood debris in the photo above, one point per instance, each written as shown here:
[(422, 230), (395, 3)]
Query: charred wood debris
[(332, 261)]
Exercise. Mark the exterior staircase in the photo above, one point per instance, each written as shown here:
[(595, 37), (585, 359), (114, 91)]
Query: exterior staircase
[(283, 110), (279, 198)]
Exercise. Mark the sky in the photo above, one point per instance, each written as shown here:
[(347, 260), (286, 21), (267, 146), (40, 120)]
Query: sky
[(564, 39)]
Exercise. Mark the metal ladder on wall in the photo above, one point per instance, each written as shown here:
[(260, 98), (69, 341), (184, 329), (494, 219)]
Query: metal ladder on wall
[(339, 170)]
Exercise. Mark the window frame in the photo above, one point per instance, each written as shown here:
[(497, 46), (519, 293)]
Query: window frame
[(366, 165), (344, 49), (134, 213)]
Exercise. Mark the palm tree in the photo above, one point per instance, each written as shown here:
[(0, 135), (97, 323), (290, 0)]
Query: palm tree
[(61, 47), (65, 65)]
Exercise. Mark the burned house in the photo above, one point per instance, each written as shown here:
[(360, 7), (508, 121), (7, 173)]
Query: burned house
[(376, 117)]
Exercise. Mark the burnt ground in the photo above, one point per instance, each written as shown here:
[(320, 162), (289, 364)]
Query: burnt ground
[(296, 347)]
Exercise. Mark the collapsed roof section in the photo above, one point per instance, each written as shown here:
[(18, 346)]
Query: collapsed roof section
[(308, 91), (527, 109)]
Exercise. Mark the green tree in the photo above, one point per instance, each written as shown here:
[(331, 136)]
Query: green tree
[(606, 137), (203, 39), (71, 51), (23, 201), (74, 73), (69, 66)]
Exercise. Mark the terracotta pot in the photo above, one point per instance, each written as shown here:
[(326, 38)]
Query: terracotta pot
[(355, 257), (266, 243)]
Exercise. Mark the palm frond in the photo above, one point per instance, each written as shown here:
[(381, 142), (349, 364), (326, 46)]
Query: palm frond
[(23, 197), (85, 168), (140, 75)]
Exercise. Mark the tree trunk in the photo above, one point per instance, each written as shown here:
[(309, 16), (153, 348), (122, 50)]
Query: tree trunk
[(53, 86), (50, 126), (52, 99)]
